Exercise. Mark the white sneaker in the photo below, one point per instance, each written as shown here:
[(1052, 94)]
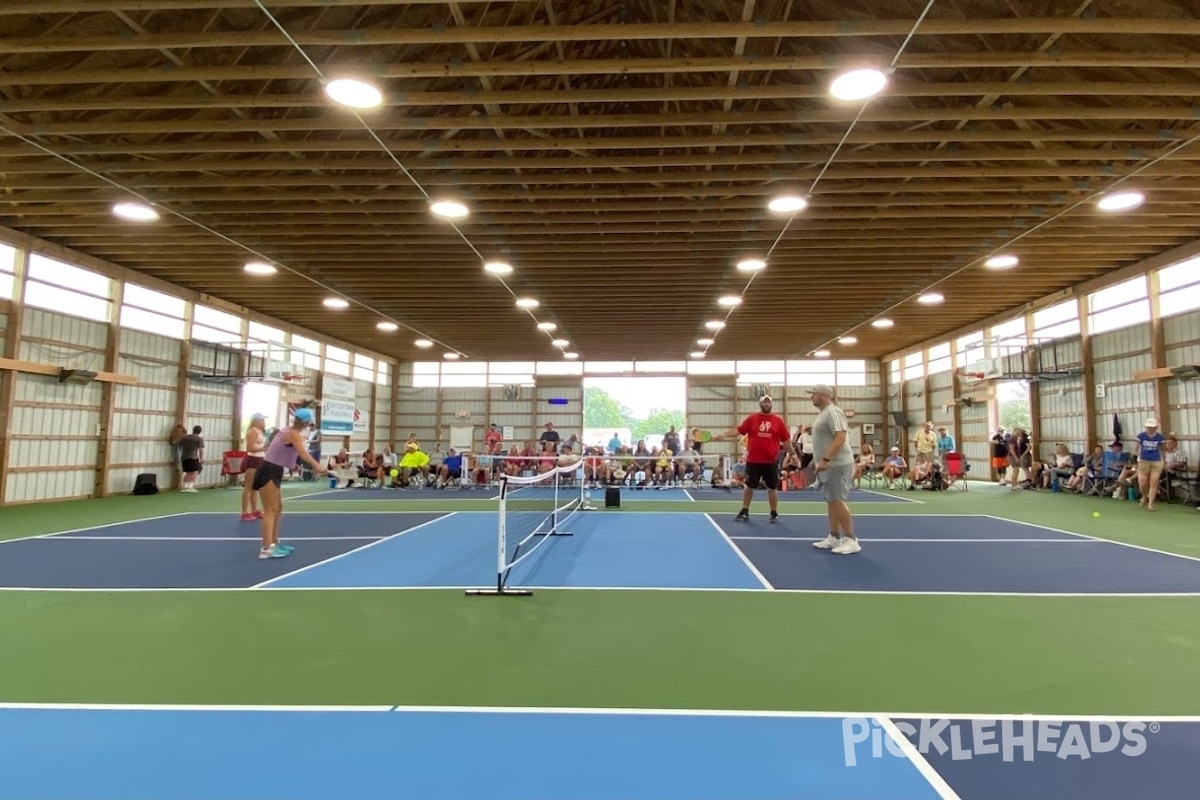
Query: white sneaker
[(190, 490), (848, 547), (828, 543)]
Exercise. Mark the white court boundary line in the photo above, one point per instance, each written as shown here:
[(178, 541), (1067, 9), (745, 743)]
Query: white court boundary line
[(766, 584), (909, 541), (611, 711), (255, 539), (92, 528), (936, 781), (1094, 538), (340, 556)]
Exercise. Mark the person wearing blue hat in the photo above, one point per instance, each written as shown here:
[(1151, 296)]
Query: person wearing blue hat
[(285, 448)]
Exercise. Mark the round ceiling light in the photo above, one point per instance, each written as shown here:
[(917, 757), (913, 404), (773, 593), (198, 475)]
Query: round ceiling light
[(335, 302), (559, 343), (135, 212), (387, 327), (498, 268), (698, 354), (931, 298), (714, 324), (570, 356), (259, 268), (353, 93), (730, 300), (548, 327), (787, 204), (527, 302), (751, 265), (821, 354), (424, 344), (1120, 201), (704, 342), (1002, 261), (450, 356), (449, 209), (882, 322), (858, 84), (848, 340)]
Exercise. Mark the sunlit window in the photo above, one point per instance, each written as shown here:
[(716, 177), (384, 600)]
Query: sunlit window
[(1119, 306), (60, 287), (1178, 287)]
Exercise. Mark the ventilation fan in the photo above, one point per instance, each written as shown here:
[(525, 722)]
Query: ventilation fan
[(512, 392), (757, 390)]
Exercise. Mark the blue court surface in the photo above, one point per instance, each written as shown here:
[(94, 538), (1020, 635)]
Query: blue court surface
[(626, 550), (215, 753)]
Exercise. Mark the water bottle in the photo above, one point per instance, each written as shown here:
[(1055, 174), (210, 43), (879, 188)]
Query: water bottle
[(1132, 493), (332, 483)]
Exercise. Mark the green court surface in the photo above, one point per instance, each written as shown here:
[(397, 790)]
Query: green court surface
[(630, 648)]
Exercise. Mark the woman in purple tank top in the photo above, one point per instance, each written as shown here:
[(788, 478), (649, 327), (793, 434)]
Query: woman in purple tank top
[(285, 448)]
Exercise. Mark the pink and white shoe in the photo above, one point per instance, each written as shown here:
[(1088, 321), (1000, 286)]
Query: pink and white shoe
[(257, 515), (248, 518)]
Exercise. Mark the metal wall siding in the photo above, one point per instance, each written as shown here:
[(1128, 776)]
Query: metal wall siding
[(712, 406), (1134, 339), (146, 345), (1182, 329), (567, 419), (30, 486), (1062, 414), (66, 330), (147, 398), (120, 479), (416, 412), (210, 405), (42, 389)]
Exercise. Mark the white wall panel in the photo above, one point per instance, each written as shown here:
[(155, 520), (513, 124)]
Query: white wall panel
[(361, 439), (210, 405), (1062, 417), (25, 487), (1182, 329), (383, 417), (567, 419), (1135, 339), (62, 330), (416, 412), (136, 344)]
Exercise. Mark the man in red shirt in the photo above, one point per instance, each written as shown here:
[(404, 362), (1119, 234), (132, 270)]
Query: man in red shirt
[(493, 437), (765, 434)]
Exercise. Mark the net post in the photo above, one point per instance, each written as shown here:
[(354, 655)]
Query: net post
[(501, 554)]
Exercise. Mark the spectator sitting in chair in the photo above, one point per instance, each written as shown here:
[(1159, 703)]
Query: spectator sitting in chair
[(1175, 463), (1061, 467), (864, 464), (894, 467), (922, 471), (737, 474), (691, 465), (371, 468), (1093, 465), (339, 467), (790, 470), (451, 469)]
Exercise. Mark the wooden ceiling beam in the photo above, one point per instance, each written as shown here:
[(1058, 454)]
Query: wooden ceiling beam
[(29, 7), (602, 66), (1106, 155), (798, 29), (1160, 136), (715, 93), (409, 122)]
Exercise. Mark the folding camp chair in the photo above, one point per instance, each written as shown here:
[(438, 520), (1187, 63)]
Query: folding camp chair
[(956, 471), (233, 466)]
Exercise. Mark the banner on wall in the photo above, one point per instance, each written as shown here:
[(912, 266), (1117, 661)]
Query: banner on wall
[(360, 421), (337, 406)]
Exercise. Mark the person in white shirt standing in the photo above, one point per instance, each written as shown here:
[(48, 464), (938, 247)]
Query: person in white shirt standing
[(833, 461)]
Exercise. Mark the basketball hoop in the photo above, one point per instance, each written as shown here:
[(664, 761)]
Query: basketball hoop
[(295, 380)]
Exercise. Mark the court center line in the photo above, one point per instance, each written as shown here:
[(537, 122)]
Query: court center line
[(611, 711), (893, 498), (339, 556), (211, 538), (766, 584), (1094, 538), (911, 541), (93, 527), (936, 781)]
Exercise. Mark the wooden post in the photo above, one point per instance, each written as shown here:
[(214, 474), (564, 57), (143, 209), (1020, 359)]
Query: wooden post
[(181, 399), (887, 409), (925, 385), (108, 391), (1158, 357), (8, 377), (956, 391), (1089, 375), (371, 413), (1035, 389), (392, 417)]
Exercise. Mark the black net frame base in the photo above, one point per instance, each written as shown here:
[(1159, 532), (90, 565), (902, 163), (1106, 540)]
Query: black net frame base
[(502, 588)]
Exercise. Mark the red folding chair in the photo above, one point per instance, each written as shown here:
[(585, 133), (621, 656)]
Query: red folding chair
[(232, 465), (956, 471)]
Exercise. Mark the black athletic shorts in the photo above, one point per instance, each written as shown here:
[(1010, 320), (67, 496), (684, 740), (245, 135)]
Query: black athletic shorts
[(191, 465), (767, 473), (268, 473)]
